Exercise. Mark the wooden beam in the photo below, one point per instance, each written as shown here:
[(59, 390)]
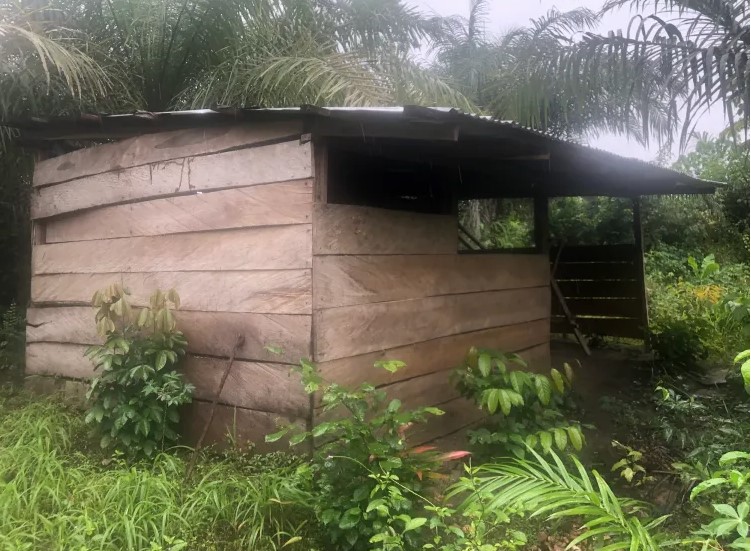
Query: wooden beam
[(639, 261), (542, 224)]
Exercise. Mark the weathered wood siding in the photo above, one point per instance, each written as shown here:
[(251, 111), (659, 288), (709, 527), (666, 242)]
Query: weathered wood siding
[(222, 215), (390, 285)]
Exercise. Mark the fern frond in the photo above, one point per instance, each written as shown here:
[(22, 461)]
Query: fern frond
[(542, 487)]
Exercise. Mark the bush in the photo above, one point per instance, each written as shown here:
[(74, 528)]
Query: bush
[(702, 313), (369, 482), (136, 398), (526, 409)]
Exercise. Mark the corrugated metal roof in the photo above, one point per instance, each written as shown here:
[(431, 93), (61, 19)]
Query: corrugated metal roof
[(113, 126)]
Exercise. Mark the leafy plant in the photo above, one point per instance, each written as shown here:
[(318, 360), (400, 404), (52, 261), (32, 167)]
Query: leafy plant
[(369, 481), (703, 315), (725, 493), (629, 467), (526, 409), (135, 399), (542, 487)]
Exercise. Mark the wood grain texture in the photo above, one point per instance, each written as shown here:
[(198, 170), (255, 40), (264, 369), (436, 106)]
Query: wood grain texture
[(259, 386), (246, 426), (459, 413), (353, 330), (245, 167), (265, 248), (348, 229), (596, 270), (615, 307), (64, 360), (260, 291), (434, 355), (362, 279), (152, 148), (263, 205), (632, 328), (208, 333), (595, 289)]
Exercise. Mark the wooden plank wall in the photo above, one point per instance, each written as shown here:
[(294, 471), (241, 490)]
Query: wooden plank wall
[(222, 215), (601, 284), (390, 285)]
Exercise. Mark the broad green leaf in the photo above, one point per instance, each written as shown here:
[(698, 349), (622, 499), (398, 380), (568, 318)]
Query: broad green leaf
[(414, 523), (504, 401), (733, 456), (546, 441), (560, 438), (707, 484), (725, 509), (576, 437), (557, 378), (484, 364), (392, 366), (276, 435)]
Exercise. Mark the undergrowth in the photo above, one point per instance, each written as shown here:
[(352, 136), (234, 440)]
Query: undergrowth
[(57, 491)]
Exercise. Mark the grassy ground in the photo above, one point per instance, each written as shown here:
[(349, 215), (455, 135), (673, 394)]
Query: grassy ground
[(58, 490)]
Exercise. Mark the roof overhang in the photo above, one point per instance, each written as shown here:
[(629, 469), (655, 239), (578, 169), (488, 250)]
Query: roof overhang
[(555, 166)]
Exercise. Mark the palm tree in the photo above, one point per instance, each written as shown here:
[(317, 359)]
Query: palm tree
[(44, 66), (325, 52), (685, 56)]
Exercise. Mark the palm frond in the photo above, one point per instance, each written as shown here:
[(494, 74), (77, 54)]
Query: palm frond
[(540, 487)]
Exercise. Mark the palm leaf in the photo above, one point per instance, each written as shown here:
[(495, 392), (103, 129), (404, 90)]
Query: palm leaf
[(552, 489)]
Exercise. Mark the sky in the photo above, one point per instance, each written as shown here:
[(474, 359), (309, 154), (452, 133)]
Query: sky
[(505, 14)]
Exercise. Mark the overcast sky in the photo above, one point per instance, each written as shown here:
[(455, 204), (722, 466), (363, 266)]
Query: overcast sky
[(506, 14)]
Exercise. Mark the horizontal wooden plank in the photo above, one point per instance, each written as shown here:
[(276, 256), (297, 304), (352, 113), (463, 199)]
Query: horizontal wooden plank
[(265, 248), (234, 426), (241, 168), (596, 270), (611, 327), (613, 307), (362, 279), (433, 355), (152, 148), (349, 229), (459, 413), (383, 325), (260, 291), (595, 253), (208, 333), (263, 205), (259, 386), (64, 360), (593, 289)]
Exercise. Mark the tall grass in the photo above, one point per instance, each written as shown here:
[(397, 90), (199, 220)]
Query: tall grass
[(56, 494)]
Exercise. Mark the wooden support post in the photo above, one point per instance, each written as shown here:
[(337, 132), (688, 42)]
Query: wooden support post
[(639, 263), (542, 224)]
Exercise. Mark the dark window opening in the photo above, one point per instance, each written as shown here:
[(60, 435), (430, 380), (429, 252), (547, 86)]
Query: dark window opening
[(365, 177)]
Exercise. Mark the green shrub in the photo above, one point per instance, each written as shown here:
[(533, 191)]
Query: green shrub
[(526, 409), (702, 314), (135, 399), (369, 483)]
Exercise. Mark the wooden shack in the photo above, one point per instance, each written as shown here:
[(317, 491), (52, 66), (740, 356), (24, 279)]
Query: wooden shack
[(331, 234)]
